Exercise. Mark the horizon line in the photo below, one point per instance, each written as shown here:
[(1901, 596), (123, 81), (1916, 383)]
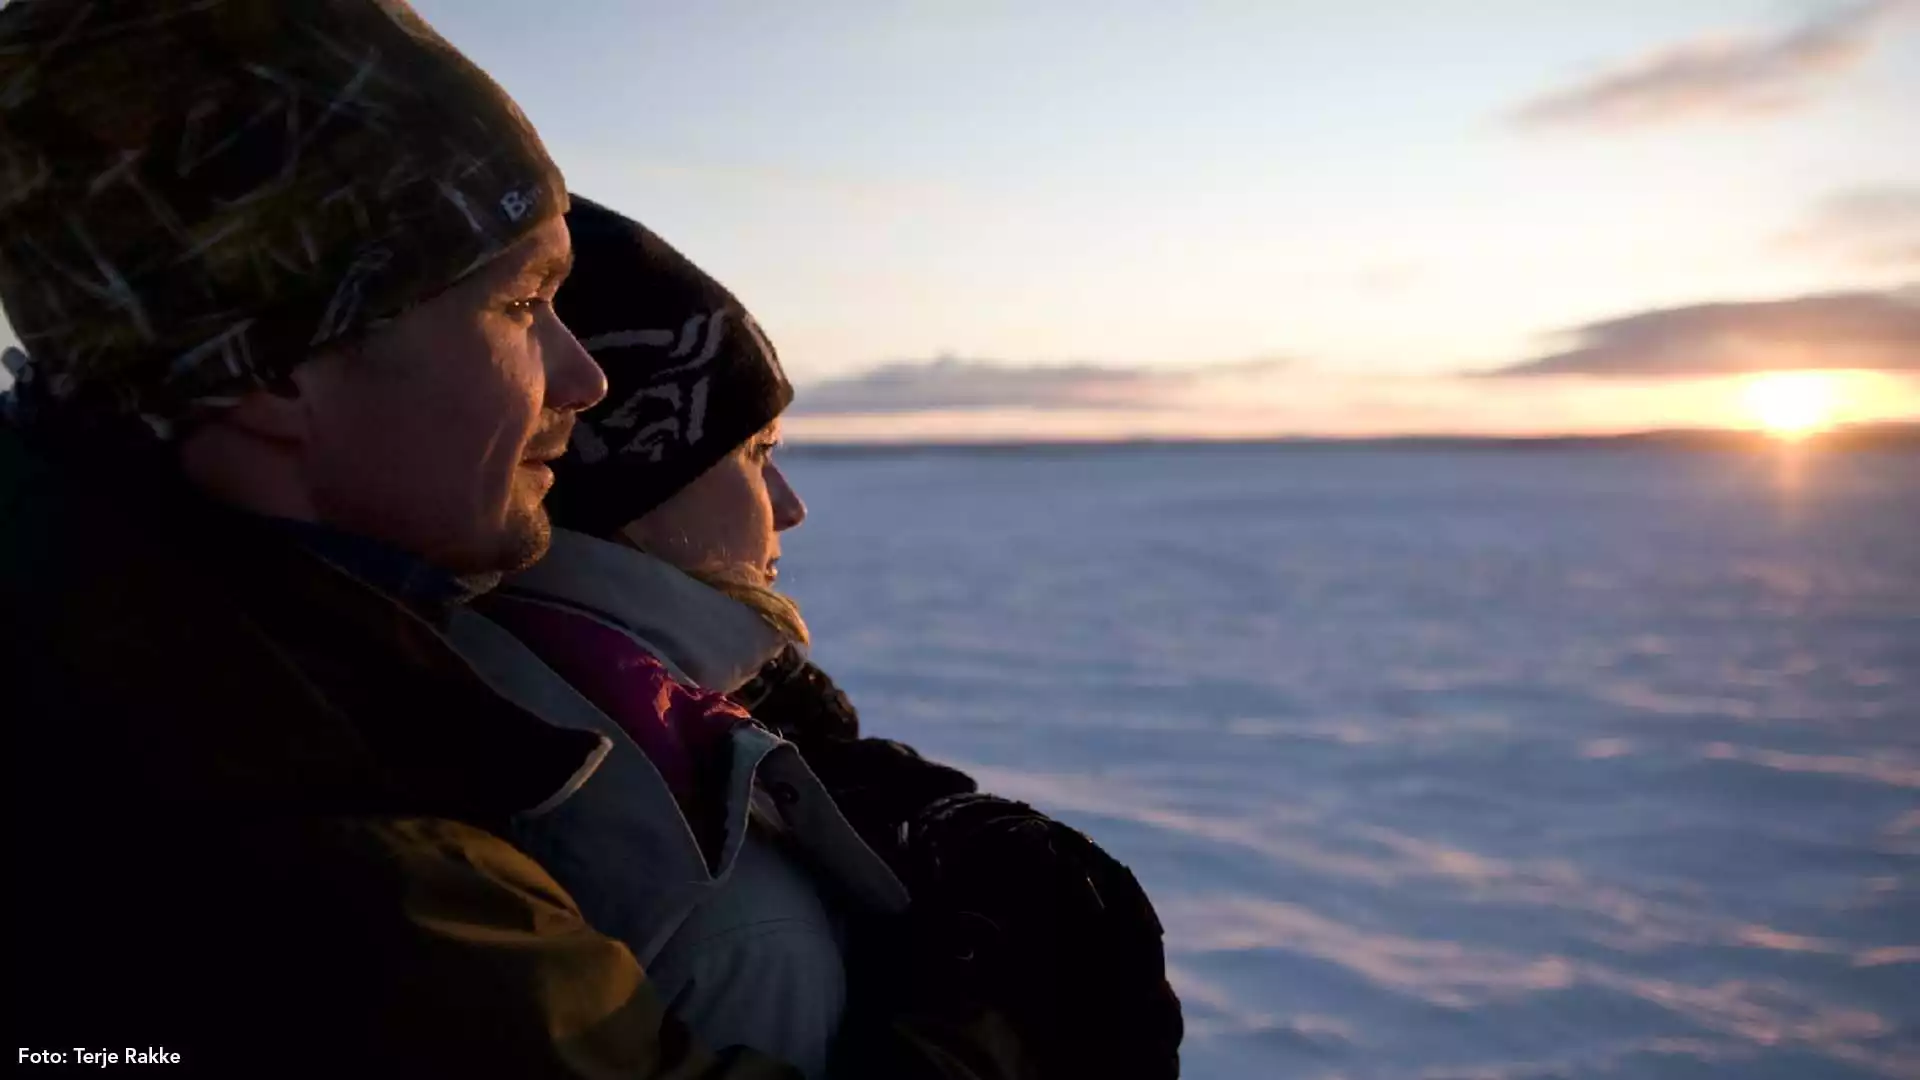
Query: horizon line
[(1874, 434)]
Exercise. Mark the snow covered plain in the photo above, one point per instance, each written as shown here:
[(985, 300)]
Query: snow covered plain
[(1493, 764)]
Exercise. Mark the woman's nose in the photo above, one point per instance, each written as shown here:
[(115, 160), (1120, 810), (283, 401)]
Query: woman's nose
[(788, 510)]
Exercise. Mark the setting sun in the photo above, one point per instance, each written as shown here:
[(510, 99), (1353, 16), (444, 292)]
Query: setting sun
[(1792, 404)]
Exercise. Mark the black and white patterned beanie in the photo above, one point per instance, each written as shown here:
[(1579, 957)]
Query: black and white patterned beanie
[(690, 375)]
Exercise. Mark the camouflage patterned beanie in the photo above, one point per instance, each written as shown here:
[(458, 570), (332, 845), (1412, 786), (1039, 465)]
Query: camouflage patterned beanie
[(197, 194)]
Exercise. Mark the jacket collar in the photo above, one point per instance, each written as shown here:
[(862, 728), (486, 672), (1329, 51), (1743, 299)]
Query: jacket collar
[(414, 582), (218, 663), (714, 640), (436, 732)]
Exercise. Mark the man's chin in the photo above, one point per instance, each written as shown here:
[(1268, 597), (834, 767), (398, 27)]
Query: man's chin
[(530, 535), (522, 541)]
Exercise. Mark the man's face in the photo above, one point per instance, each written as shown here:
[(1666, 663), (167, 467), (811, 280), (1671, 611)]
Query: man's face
[(432, 434)]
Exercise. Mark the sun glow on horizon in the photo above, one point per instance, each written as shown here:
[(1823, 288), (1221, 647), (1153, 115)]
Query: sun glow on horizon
[(1792, 404)]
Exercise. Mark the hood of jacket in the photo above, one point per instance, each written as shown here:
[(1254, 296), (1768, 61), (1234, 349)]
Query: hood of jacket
[(711, 639)]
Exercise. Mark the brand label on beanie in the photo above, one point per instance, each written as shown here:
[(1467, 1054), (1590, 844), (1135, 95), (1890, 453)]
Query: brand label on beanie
[(518, 204)]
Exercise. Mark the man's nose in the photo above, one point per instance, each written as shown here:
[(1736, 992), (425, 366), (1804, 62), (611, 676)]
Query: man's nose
[(575, 382)]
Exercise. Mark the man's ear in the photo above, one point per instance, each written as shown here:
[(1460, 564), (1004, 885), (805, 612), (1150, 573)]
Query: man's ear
[(250, 453), (283, 413), (275, 417)]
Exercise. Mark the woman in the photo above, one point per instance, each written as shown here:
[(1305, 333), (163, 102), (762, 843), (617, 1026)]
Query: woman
[(758, 878)]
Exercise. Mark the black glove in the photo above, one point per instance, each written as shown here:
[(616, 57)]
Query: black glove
[(881, 786), (1016, 910), (797, 700), (878, 784), (1012, 911)]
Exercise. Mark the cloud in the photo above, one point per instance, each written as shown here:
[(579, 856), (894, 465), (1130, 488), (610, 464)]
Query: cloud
[(956, 400), (951, 384), (1869, 331), (1305, 401), (1873, 226), (1720, 76)]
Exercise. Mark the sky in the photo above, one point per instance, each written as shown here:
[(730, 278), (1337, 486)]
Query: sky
[(1093, 219)]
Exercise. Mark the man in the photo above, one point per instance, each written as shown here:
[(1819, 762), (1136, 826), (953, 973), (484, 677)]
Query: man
[(283, 269)]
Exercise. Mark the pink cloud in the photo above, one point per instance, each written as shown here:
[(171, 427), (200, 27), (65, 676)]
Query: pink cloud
[(1720, 76)]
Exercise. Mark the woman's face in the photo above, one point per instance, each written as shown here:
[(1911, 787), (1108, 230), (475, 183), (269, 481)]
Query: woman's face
[(729, 519)]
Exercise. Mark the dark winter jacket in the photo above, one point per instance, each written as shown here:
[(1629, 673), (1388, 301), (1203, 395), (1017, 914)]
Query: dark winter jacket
[(255, 813)]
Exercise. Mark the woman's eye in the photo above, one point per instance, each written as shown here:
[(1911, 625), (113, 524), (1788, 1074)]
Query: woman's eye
[(528, 305)]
